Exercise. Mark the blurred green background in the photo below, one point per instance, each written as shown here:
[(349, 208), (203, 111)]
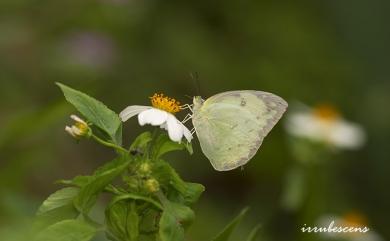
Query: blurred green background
[(123, 51)]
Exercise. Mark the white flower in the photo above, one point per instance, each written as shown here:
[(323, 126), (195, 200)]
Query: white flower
[(160, 114), (324, 124), (79, 129)]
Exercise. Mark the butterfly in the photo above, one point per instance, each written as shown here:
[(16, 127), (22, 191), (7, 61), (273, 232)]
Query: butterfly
[(232, 125)]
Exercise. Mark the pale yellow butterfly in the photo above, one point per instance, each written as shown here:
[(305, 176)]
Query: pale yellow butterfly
[(232, 125)]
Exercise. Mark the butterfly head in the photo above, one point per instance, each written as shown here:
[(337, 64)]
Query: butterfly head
[(198, 102)]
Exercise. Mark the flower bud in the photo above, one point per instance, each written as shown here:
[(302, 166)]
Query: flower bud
[(79, 129), (144, 169), (152, 185)]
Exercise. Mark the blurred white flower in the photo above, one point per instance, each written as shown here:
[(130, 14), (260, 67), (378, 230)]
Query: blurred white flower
[(347, 221), (79, 129), (159, 114), (325, 124)]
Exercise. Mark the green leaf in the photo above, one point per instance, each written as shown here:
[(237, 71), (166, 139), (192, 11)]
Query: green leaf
[(141, 142), (149, 221), (96, 184), (57, 207), (116, 219), (228, 230), (253, 234), (58, 199), (133, 223), (133, 196), (186, 192), (67, 230), (175, 218), (163, 145), (147, 237), (192, 192), (95, 111), (123, 221), (78, 181), (170, 228), (122, 217)]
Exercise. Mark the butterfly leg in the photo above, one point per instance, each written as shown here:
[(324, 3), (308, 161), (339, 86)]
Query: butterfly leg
[(186, 106), (188, 117)]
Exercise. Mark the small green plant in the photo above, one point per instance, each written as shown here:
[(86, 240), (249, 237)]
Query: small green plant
[(149, 200)]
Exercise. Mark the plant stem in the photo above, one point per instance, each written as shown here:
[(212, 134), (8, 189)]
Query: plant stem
[(109, 144)]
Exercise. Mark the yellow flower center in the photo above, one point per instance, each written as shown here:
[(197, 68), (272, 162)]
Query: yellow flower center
[(165, 103), (354, 219), (326, 113), (82, 127)]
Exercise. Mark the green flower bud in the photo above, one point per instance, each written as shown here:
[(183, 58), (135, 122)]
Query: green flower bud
[(144, 169), (152, 185)]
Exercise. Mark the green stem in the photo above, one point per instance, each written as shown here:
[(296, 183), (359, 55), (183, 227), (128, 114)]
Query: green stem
[(109, 144), (150, 144), (112, 189)]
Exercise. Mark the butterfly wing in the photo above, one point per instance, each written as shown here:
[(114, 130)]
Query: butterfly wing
[(232, 125)]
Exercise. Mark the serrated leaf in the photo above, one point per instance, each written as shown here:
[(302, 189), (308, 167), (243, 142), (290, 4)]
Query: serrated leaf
[(95, 111), (253, 234), (89, 192), (228, 230), (67, 230)]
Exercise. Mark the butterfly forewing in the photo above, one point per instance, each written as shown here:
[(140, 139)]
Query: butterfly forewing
[(232, 125)]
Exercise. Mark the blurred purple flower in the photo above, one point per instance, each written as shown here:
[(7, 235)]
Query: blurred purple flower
[(90, 49)]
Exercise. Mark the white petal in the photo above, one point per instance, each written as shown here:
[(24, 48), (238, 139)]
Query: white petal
[(77, 119), (304, 125), (153, 117), (347, 135), (164, 126), (187, 133), (175, 128), (131, 111), (76, 131), (70, 131)]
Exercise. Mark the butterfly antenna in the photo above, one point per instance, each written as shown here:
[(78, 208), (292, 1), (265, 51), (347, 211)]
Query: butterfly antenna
[(189, 97), (195, 77)]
